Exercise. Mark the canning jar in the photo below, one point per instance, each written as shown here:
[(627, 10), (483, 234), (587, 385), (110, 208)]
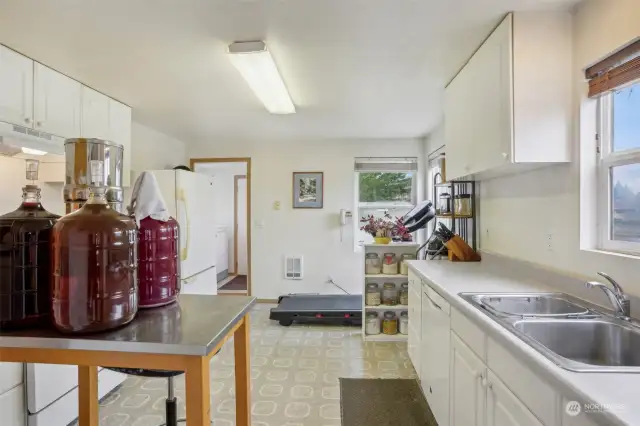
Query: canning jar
[(390, 323), (372, 323), (462, 204), (389, 294), (404, 266), (390, 264), (372, 264), (404, 322), (404, 294), (372, 295)]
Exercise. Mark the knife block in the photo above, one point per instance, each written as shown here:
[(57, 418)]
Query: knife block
[(460, 251)]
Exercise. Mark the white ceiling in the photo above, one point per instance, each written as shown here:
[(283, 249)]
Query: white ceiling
[(354, 68)]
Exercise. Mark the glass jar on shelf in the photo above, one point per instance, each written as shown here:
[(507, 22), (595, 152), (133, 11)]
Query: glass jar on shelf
[(372, 264), (372, 323), (403, 297), (389, 294), (390, 264), (404, 322), (390, 323), (462, 204), (404, 266), (372, 295)]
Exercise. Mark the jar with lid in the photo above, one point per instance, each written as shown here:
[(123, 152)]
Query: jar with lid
[(389, 294), (95, 283), (404, 322), (462, 204), (372, 323), (444, 205), (390, 264), (390, 323), (404, 266), (372, 295), (372, 264), (404, 294)]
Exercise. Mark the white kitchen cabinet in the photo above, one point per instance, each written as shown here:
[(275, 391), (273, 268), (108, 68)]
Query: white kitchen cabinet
[(95, 114), (415, 320), (12, 407), (11, 375), (504, 112), (466, 386), (436, 326), (16, 87), (504, 408), (120, 132), (57, 102)]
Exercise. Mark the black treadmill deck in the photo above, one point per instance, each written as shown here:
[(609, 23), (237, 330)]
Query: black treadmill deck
[(330, 309)]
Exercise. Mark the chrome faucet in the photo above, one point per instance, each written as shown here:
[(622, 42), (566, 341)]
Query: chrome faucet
[(619, 300)]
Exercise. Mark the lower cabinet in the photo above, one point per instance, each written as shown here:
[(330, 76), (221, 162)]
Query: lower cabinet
[(504, 408), (478, 397), (466, 385)]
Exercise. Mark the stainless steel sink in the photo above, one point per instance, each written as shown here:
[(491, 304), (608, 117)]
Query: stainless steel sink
[(595, 342), (528, 304), (573, 333)]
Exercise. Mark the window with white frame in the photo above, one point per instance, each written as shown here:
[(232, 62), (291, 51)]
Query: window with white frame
[(619, 169), (384, 186)]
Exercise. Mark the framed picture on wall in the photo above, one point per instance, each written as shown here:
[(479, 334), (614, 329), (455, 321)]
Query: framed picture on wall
[(308, 190)]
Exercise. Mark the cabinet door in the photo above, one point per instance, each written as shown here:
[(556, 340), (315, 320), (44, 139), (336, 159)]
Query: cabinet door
[(425, 357), (415, 320), (16, 87), (458, 144), (504, 408), (12, 407), (95, 114), (57, 102), (120, 132), (466, 386)]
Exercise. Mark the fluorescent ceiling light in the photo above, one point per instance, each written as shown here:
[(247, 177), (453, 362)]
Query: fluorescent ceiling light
[(257, 67), (33, 151)]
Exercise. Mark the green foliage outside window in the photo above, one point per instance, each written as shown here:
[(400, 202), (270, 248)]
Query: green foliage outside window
[(385, 186)]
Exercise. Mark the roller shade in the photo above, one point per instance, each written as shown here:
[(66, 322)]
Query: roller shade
[(615, 71), (373, 164)]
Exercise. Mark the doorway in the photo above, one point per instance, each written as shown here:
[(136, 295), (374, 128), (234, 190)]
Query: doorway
[(232, 218)]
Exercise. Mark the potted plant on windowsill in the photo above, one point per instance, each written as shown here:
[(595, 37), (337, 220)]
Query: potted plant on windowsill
[(381, 229)]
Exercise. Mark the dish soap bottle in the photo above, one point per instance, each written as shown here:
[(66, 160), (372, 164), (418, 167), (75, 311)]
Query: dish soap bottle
[(25, 263)]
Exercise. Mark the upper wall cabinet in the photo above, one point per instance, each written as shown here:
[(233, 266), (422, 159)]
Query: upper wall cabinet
[(57, 101), (95, 114), (16, 87), (509, 108)]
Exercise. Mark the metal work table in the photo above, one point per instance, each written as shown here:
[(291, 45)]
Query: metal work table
[(182, 336)]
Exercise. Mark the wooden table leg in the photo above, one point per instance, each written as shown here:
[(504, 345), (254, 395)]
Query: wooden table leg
[(198, 391), (241, 341), (88, 395)]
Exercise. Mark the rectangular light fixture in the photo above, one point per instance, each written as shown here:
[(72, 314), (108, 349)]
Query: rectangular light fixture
[(257, 67), (32, 151)]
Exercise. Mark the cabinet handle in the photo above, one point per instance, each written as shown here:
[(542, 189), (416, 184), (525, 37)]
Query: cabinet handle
[(39, 123), (505, 155), (27, 120), (434, 303), (490, 386)]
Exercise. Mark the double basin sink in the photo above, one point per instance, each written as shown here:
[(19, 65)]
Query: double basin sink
[(572, 333)]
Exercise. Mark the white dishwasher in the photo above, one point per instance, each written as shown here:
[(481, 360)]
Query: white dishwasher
[(434, 374)]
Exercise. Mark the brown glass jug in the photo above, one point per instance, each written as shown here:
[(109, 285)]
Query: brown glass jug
[(95, 284)]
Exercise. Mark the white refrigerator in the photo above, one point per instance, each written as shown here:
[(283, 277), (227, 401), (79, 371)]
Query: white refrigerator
[(189, 198), (52, 390)]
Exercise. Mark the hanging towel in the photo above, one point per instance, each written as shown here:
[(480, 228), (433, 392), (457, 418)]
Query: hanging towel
[(147, 200)]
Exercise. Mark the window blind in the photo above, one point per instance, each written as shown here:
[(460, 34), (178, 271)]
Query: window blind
[(615, 71), (374, 164)]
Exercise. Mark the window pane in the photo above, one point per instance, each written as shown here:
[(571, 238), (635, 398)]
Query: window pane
[(385, 186), (626, 118), (625, 205)]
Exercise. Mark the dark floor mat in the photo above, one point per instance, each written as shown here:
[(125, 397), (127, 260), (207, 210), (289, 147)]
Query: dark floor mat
[(237, 283), (381, 402)]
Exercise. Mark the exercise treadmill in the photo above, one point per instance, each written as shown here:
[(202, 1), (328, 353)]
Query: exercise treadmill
[(338, 309)]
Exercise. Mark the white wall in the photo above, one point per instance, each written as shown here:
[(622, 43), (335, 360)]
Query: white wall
[(313, 233), (224, 187), (521, 215)]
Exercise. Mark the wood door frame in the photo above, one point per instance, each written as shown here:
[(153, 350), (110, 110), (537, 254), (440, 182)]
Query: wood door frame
[(247, 160), (236, 179)]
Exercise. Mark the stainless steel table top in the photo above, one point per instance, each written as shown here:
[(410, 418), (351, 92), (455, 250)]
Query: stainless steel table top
[(193, 326)]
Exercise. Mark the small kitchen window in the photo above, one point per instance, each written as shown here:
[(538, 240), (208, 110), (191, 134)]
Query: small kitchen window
[(617, 88), (384, 185)]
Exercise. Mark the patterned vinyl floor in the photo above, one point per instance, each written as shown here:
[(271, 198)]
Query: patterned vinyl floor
[(294, 371)]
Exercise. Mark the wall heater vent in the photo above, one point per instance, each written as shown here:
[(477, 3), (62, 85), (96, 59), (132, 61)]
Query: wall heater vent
[(293, 267)]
